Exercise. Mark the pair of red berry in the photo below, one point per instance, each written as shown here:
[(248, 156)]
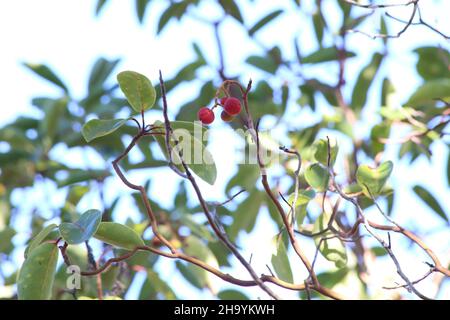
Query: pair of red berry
[(231, 108)]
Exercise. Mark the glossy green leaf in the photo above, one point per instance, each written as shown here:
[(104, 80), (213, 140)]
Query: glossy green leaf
[(317, 177), (46, 73), (280, 260), (427, 94), (36, 241), (118, 235), (83, 229), (194, 153), (321, 151), (303, 197), (372, 180), (37, 274), (97, 128), (138, 90), (364, 82), (265, 20), (325, 55), (430, 200), (332, 249)]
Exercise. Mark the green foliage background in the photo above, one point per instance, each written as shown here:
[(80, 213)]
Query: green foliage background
[(286, 84)]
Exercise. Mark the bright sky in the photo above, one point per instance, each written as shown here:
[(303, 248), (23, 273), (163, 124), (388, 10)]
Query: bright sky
[(66, 36)]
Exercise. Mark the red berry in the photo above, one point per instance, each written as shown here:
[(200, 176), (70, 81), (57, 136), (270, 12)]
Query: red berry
[(226, 117), (223, 100), (232, 106), (205, 115)]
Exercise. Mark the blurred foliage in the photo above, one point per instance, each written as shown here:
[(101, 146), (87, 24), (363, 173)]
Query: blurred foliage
[(28, 159)]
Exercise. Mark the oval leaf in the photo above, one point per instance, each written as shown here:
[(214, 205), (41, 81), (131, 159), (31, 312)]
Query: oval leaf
[(303, 197), (280, 260), (97, 128), (321, 151), (429, 92), (39, 238), (332, 249), (317, 177), (118, 235), (372, 180), (195, 154), (138, 90), (36, 277), (83, 229)]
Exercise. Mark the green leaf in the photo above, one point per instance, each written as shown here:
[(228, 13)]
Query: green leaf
[(433, 63), (141, 6), (364, 81), (332, 249), (194, 152), (97, 128), (378, 132), (231, 8), (78, 175), (39, 238), (36, 277), (245, 177), (303, 197), (100, 5), (194, 247), (319, 25), (46, 73), (231, 294), (244, 217), (321, 153), (280, 260), (317, 177), (6, 235), (325, 55), (81, 230), (265, 20), (427, 94), (138, 90), (352, 189), (430, 200), (264, 63), (118, 235), (174, 10), (154, 287), (100, 72), (372, 180)]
